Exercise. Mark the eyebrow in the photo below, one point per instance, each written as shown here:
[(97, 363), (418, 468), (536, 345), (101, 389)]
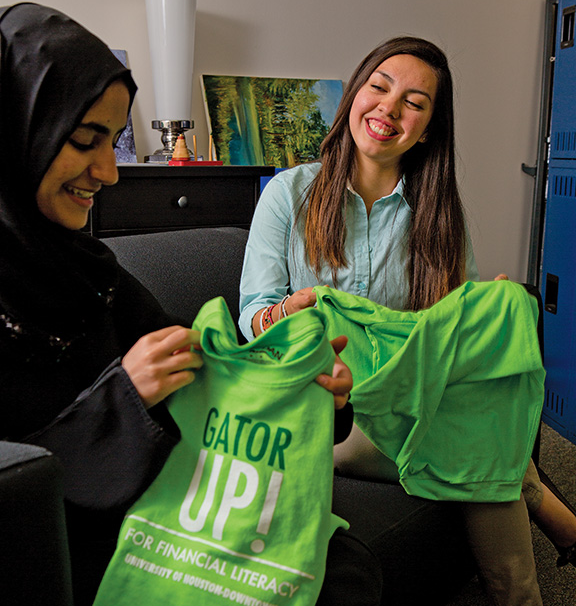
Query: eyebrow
[(98, 128), (389, 78)]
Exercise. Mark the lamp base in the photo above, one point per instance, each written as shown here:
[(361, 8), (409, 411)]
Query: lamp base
[(170, 130)]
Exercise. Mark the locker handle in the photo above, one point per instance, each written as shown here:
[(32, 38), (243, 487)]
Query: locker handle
[(551, 297)]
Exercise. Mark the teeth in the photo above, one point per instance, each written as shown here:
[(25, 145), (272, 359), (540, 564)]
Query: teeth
[(384, 131), (79, 193)]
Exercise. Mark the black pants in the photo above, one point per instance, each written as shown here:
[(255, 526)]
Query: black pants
[(353, 574)]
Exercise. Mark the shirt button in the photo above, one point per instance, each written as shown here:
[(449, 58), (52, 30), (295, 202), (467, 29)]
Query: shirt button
[(362, 286)]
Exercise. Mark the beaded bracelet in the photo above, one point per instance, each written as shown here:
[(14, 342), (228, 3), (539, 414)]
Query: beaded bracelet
[(262, 321), (266, 319), (269, 319)]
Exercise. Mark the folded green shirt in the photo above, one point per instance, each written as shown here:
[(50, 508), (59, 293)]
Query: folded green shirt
[(452, 394)]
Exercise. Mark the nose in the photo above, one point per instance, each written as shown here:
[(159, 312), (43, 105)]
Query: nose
[(103, 167), (391, 106)]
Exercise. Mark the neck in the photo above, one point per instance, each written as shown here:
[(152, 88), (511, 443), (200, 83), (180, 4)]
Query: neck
[(374, 181)]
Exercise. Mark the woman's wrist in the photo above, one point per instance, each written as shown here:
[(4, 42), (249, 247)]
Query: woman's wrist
[(272, 314)]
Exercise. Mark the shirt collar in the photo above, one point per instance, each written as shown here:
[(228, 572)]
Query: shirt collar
[(398, 192)]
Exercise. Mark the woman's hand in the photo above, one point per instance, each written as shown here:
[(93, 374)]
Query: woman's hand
[(340, 383), (161, 362), (300, 300), (267, 316)]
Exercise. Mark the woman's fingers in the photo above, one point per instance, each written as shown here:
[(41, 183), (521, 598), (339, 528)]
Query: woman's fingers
[(341, 382), (162, 362)]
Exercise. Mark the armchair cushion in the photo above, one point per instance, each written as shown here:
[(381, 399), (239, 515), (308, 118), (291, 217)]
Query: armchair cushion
[(34, 558)]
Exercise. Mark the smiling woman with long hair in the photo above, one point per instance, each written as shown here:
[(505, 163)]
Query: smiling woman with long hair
[(380, 216), (437, 243), (386, 176)]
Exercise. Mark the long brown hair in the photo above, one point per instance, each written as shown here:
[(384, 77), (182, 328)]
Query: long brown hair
[(437, 242)]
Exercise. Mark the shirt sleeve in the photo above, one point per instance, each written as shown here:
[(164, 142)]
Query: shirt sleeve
[(265, 275), (110, 447)]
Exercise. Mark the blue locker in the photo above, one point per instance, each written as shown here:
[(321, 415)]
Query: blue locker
[(559, 250)]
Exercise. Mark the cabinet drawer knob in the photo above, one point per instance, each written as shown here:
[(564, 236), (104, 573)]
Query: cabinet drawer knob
[(182, 202)]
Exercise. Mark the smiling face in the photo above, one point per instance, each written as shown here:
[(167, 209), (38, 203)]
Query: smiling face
[(86, 161), (391, 111)]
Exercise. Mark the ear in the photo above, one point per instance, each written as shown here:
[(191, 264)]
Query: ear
[(423, 138)]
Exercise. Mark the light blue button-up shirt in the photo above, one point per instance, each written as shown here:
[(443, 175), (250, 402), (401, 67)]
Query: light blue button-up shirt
[(376, 251)]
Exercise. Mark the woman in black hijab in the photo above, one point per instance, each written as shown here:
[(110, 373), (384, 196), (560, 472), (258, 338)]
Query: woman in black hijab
[(75, 375)]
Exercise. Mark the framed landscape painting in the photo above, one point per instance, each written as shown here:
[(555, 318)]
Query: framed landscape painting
[(269, 121)]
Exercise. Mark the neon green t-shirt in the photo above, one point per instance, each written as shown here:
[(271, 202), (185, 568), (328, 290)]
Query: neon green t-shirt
[(452, 394), (241, 512)]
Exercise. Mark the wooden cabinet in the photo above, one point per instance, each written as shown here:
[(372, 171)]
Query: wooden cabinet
[(152, 198)]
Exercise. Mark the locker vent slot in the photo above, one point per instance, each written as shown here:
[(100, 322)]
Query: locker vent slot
[(564, 186), (554, 403), (565, 141), (567, 39)]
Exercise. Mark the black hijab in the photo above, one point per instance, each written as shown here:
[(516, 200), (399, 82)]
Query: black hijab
[(53, 281)]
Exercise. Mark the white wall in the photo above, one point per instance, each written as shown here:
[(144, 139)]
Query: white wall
[(495, 51)]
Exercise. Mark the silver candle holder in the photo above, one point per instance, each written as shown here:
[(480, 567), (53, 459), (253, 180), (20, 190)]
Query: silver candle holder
[(170, 130)]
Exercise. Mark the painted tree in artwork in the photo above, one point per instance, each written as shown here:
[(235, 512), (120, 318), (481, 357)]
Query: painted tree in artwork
[(270, 121)]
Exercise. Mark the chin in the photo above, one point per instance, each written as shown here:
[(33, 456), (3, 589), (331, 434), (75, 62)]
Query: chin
[(79, 225), (71, 223)]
